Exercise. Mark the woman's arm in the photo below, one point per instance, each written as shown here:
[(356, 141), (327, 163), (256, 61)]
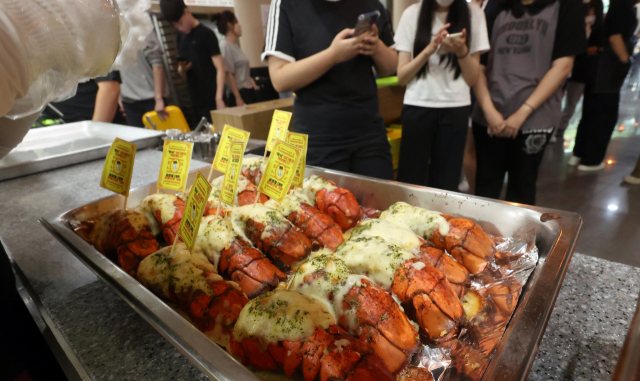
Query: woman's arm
[(106, 101), (617, 44), (560, 69), (408, 68), (158, 87), (290, 76), (469, 63), (221, 74), (234, 89), (483, 96)]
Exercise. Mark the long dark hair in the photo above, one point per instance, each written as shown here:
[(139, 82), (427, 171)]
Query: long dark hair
[(459, 18), (223, 19)]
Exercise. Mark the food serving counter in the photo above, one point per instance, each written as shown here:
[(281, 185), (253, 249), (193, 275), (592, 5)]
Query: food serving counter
[(103, 338)]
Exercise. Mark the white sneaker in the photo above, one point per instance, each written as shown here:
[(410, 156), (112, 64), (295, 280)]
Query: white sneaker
[(631, 180), (591, 168), (574, 161), (553, 139)]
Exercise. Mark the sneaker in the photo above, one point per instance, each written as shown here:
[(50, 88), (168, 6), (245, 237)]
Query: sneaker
[(553, 139), (591, 168), (631, 180), (574, 161)]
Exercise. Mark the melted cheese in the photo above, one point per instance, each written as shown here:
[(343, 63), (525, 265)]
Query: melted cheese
[(253, 163), (242, 183), (180, 270), (259, 213), (421, 221), (315, 183), (388, 231), (155, 202), (374, 257), (329, 289), (215, 235), (281, 315)]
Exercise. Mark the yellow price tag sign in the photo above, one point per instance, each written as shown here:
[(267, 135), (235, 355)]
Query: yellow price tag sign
[(301, 141), (281, 168), (194, 210), (174, 170), (279, 128), (118, 167), (230, 182), (229, 134)]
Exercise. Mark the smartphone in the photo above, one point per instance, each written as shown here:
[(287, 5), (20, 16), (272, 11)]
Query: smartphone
[(442, 50), (365, 22)]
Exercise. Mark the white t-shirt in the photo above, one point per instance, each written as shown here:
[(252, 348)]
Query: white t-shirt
[(439, 88)]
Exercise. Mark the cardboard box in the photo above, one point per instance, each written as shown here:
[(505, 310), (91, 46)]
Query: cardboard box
[(255, 118), (391, 100)]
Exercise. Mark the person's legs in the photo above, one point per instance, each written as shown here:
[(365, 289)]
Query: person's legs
[(135, 111), (204, 111), (373, 157), (573, 93), (524, 156), (636, 171), (418, 130), (605, 119), (586, 124), (491, 158), (448, 148), (469, 163)]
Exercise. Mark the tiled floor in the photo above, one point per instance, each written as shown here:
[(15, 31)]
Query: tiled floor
[(610, 209)]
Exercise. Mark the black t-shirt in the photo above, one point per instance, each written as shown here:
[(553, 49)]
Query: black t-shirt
[(82, 105), (342, 103), (570, 20), (198, 47)]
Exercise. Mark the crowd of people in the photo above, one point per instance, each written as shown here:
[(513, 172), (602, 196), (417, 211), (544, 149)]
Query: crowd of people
[(485, 83)]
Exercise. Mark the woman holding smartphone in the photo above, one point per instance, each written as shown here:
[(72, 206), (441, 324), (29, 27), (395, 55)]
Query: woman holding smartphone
[(439, 44), (534, 43), (311, 49)]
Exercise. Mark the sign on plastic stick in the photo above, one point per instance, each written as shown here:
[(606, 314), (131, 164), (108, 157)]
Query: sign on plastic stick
[(230, 182), (300, 141), (229, 134), (194, 210), (279, 128), (281, 168), (174, 170), (118, 167)]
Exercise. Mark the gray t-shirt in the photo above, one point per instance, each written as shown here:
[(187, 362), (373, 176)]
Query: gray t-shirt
[(137, 79), (522, 52), (236, 63)]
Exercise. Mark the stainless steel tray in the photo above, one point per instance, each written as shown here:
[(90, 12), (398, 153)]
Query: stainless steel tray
[(556, 240), (57, 146)]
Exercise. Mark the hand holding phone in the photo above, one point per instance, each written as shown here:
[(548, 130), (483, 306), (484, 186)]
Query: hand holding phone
[(365, 22), (453, 43)]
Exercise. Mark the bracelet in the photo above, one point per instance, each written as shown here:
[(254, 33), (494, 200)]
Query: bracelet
[(528, 105), (464, 55)]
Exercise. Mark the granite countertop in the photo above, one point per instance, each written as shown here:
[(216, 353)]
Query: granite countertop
[(112, 342)]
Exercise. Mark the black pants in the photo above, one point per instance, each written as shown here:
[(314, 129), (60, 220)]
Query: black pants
[(599, 118), (519, 157), (249, 96), (432, 146), (369, 156), (204, 111), (136, 110)]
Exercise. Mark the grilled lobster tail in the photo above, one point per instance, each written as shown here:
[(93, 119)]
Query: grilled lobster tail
[(125, 237), (287, 330), (235, 258), (190, 281), (166, 210), (467, 243), (317, 226)]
